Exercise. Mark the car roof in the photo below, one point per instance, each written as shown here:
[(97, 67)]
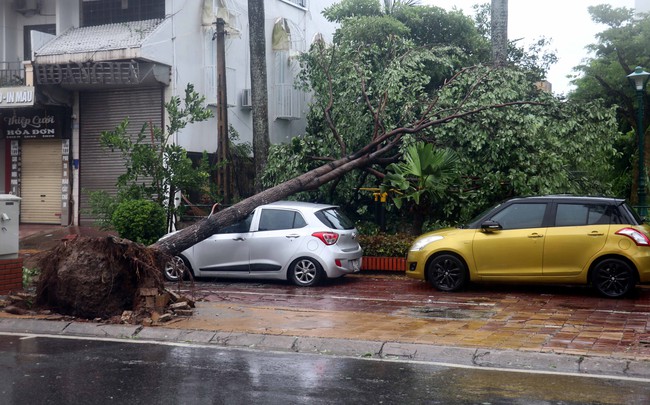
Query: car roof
[(299, 205), (571, 198)]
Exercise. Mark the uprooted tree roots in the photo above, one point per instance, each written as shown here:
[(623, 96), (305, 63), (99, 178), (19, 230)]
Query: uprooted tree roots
[(101, 278)]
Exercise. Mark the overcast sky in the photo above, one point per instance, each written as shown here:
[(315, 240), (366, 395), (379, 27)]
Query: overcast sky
[(566, 22)]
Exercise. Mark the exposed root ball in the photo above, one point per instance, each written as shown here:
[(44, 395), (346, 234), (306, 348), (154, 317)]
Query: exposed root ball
[(97, 277)]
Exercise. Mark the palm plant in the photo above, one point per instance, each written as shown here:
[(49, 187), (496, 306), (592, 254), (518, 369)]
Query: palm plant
[(421, 180)]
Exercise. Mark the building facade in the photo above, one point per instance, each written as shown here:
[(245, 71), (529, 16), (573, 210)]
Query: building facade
[(70, 69)]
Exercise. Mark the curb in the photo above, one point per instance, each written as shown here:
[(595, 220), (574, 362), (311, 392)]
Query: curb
[(451, 356)]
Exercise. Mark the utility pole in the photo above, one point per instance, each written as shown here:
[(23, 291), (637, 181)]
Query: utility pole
[(224, 164), (499, 32), (259, 91)]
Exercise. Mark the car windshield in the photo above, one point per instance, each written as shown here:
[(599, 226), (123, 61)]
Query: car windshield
[(334, 218), (474, 221)]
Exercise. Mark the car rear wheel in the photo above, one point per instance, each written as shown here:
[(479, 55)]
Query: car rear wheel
[(305, 272), (613, 278), (176, 269), (447, 273)]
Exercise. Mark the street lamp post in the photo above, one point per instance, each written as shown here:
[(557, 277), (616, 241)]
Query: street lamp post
[(639, 79)]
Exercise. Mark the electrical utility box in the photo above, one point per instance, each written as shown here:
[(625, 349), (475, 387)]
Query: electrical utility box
[(9, 219)]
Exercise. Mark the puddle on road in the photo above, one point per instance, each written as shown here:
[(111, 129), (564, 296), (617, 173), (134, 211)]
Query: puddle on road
[(447, 313)]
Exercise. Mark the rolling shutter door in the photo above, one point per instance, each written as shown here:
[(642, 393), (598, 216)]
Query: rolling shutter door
[(103, 111), (40, 187)]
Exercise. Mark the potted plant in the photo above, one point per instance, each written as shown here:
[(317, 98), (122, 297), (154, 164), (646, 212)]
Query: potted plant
[(385, 251)]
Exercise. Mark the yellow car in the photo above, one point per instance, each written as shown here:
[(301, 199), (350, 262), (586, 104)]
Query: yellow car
[(547, 239)]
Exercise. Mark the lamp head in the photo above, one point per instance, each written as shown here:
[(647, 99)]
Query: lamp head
[(639, 78)]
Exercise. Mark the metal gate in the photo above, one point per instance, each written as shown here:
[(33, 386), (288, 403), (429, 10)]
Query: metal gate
[(40, 187), (99, 168)]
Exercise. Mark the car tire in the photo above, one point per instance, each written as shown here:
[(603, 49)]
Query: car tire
[(176, 269), (447, 272), (613, 278), (305, 272)]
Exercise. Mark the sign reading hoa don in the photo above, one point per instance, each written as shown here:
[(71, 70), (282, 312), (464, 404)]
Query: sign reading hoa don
[(32, 124), (12, 97)]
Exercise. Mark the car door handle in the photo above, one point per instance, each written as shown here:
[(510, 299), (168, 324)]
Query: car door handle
[(535, 236), (293, 236), (596, 233), (238, 239)]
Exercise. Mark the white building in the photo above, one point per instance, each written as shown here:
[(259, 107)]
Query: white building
[(642, 6), (70, 69)]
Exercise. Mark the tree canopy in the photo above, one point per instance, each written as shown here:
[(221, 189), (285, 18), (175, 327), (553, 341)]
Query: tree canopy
[(387, 78), (619, 48)]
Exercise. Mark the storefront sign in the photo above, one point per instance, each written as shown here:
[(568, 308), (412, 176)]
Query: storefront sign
[(89, 73), (32, 124), (12, 97)]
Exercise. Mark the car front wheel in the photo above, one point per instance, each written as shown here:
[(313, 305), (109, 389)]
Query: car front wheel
[(305, 272), (447, 273), (613, 278), (176, 269)]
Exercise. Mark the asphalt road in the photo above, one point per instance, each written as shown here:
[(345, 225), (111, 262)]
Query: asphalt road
[(55, 370)]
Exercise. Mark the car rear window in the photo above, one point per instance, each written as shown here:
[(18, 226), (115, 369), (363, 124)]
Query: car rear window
[(334, 218), (583, 214), (276, 219)]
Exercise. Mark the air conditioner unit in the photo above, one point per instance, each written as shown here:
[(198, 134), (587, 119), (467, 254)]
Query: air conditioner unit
[(27, 8), (246, 98)]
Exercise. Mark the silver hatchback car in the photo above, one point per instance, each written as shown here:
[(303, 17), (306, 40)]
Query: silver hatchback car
[(285, 240)]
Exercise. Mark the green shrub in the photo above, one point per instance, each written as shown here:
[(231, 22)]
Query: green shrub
[(396, 245), (29, 276), (141, 221)]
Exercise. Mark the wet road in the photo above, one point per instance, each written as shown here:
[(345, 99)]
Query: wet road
[(391, 307), (48, 370)]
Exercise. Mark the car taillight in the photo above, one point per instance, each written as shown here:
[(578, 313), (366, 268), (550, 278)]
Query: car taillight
[(637, 236), (328, 238)]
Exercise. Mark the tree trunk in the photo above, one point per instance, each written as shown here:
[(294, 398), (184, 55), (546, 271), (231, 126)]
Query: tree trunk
[(307, 181), (310, 180), (499, 32), (259, 93)]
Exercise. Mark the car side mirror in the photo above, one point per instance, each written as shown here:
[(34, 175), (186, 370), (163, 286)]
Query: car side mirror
[(491, 226)]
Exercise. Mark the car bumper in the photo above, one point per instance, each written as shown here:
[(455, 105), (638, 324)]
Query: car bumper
[(643, 266), (343, 263), (415, 261)]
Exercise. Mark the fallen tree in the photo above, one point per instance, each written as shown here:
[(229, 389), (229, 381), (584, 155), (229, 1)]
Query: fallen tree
[(102, 278)]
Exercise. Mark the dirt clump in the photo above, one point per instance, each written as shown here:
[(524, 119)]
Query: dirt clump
[(102, 278)]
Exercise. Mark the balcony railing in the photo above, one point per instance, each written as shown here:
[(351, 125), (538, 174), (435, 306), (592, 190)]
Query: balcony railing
[(210, 88), (289, 102), (12, 74)]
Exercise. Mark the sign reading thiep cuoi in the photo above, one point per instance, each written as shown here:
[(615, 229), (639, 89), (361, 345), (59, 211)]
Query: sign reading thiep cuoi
[(32, 124)]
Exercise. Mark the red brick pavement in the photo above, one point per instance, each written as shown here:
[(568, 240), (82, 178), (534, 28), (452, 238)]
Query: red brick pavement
[(391, 307)]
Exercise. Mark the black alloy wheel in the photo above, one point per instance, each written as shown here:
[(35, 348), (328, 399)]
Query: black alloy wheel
[(613, 278), (447, 273)]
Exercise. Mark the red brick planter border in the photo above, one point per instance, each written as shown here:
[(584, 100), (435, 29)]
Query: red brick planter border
[(383, 263), (11, 275)]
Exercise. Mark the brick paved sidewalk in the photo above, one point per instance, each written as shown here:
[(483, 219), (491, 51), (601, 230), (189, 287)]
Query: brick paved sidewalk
[(563, 320), (390, 307)]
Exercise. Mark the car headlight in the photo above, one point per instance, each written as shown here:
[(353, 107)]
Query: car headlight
[(421, 243)]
